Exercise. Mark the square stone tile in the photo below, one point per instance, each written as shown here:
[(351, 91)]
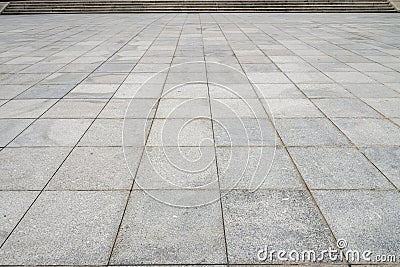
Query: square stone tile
[(244, 132), (135, 108), (229, 90), (281, 220), (269, 77), (25, 60), (136, 90), (112, 68), (116, 132), (309, 132), (93, 91), (50, 235), (46, 91), (79, 67), (337, 168), (292, 108), (11, 91), (375, 214), (191, 168), (237, 108), (370, 90), (386, 159), (147, 77), (349, 107), (370, 66), (189, 90), (183, 108), (170, 235), (64, 78), (13, 206), (260, 67), (141, 67), (389, 107), (308, 77), (349, 77), (75, 109), (324, 90), (42, 67), (385, 77), (52, 132), (254, 167), (186, 77), (111, 169), (364, 132), (13, 68), (105, 78), (10, 128), (29, 168), (25, 109), (278, 91), (181, 132), (296, 67)]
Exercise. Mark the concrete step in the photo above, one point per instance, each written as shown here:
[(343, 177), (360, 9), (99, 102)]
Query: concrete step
[(125, 6), (200, 4)]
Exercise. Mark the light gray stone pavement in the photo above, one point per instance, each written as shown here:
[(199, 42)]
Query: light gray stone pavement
[(211, 139)]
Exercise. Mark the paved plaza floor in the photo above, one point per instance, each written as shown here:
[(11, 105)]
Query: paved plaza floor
[(214, 139)]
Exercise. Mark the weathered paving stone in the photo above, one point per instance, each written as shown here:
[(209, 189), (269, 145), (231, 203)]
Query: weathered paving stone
[(308, 77), (183, 108), (339, 107), (244, 132), (46, 91), (24, 109), (49, 235), (285, 90), (293, 108), (116, 132), (178, 168), (10, 128), (64, 78), (170, 235), (93, 91), (52, 132), (185, 91), (387, 159), (112, 171), (13, 205), (75, 109), (11, 91), (129, 108), (181, 132), (254, 167), (389, 107), (29, 168), (364, 132), (337, 168), (375, 214), (309, 132), (237, 108), (371, 90), (281, 220), (325, 90), (229, 90)]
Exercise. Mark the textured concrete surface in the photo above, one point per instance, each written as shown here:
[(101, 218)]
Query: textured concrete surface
[(185, 139)]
